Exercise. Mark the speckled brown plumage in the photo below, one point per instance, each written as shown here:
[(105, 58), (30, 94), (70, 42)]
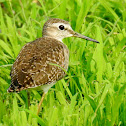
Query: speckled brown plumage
[(33, 66)]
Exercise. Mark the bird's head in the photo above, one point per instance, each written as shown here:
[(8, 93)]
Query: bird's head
[(59, 29)]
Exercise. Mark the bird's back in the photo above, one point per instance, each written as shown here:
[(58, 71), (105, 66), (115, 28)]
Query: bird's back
[(35, 64)]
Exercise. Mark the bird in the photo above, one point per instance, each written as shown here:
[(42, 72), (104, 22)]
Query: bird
[(43, 62)]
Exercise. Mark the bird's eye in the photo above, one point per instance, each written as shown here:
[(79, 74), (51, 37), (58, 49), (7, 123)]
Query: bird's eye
[(61, 27)]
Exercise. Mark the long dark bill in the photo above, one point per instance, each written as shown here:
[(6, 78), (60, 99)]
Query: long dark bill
[(84, 37)]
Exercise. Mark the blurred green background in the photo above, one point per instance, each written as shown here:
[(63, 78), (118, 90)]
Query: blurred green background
[(93, 93)]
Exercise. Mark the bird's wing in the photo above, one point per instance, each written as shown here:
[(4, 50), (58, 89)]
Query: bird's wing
[(35, 64)]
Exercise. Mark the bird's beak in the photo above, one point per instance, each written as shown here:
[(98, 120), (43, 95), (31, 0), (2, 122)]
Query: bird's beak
[(84, 37)]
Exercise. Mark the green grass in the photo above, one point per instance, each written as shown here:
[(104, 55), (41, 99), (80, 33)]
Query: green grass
[(93, 92)]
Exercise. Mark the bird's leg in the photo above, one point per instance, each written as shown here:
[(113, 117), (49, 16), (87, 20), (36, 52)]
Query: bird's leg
[(43, 95), (28, 95)]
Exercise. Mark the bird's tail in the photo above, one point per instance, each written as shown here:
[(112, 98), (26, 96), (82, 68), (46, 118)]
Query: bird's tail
[(11, 89)]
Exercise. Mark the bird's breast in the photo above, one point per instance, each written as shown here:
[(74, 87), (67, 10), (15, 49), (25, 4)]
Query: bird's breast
[(66, 56)]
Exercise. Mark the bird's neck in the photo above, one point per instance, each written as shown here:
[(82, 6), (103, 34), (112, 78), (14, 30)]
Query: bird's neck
[(54, 37)]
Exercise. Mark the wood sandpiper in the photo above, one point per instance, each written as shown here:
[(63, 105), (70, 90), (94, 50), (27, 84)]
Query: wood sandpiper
[(35, 66)]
